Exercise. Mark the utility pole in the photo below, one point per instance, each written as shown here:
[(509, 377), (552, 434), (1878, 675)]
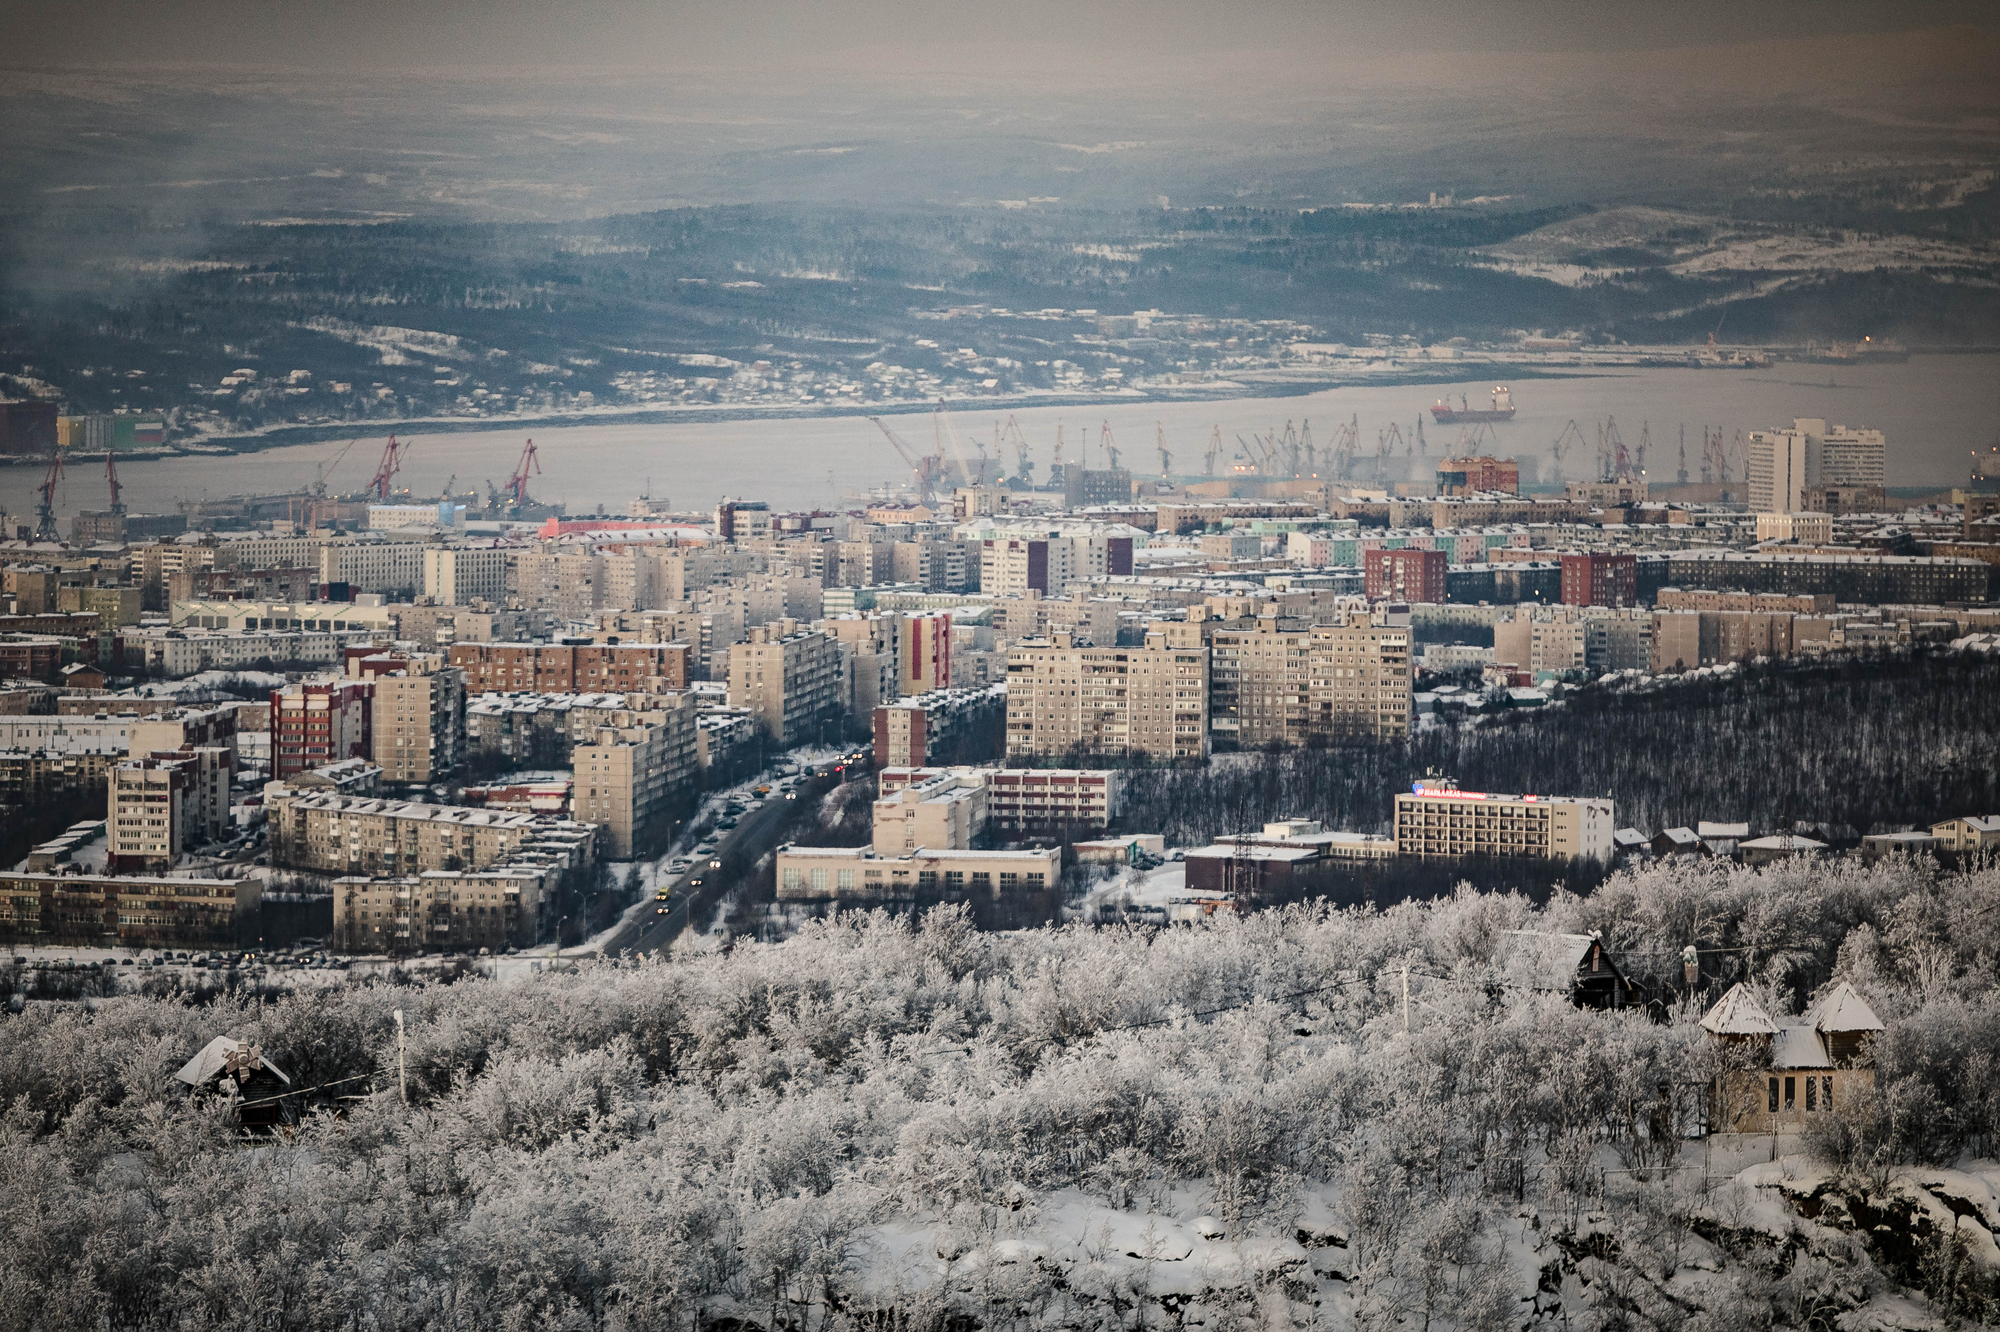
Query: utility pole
[(1406, 1000), (403, 1074)]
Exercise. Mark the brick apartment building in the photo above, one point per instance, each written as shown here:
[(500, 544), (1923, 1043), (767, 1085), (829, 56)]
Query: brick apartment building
[(320, 721), (1600, 578), (1404, 575)]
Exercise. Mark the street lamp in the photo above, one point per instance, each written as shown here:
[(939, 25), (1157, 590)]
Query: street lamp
[(559, 932)]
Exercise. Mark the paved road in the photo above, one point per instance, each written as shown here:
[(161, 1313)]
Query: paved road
[(757, 831)]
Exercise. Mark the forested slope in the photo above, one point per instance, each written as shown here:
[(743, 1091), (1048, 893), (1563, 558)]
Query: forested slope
[(1867, 741), (887, 1123)]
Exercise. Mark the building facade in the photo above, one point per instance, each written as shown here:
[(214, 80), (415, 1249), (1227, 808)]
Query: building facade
[(320, 721), (1434, 822), (1149, 702)]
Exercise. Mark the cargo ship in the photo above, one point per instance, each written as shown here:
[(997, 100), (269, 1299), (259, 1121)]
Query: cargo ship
[(1501, 410)]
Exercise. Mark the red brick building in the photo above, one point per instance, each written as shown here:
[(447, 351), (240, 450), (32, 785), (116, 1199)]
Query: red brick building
[(564, 668), (1404, 575), (315, 723), (1600, 578)]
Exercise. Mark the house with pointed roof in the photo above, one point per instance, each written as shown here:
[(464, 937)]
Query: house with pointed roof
[(1576, 965), (1797, 1069), (1676, 842)]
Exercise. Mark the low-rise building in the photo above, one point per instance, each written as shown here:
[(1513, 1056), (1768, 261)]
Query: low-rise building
[(1800, 1070), (860, 874), (127, 911), (1446, 822), (1972, 832), (945, 813)]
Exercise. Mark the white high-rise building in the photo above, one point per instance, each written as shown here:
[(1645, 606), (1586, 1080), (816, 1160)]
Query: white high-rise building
[(1783, 463)]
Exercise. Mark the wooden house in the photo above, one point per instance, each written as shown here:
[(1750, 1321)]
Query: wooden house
[(1578, 965), (237, 1069)]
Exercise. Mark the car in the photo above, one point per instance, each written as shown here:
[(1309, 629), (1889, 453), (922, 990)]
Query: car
[(762, 790), (661, 911), (727, 823), (678, 865), (791, 795), (662, 895), (694, 883)]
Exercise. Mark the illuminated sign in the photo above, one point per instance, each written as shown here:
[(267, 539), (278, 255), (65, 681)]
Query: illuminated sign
[(1444, 793)]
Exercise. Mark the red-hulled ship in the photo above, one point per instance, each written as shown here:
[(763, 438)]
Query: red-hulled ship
[(1502, 409)]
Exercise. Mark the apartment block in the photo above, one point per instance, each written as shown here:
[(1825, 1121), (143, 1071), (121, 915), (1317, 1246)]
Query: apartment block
[(498, 908), (570, 668), (1260, 682), (1804, 529), (924, 655), (373, 565), (130, 911), (1404, 575), (567, 583), (942, 814), (789, 679), (625, 778), (350, 835), (1775, 470), (320, 721), (1360, 680), (1436, 822), (418, 723), (1110, 701), (1600, 578), (162, 805), (454, 576), (1017, 566), (1473, 476)]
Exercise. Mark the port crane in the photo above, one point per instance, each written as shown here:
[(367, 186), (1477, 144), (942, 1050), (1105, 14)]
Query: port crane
[(322, 470), (111, 479), (1020, 438), (1110, 449), (1571, 437), (517, 484), (45, 510), (946, 437), (385, 472), (1306, 446), (927, 469), (1214, 451), (1160, 443)]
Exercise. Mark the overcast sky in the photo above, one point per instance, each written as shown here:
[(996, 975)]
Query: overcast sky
[(1028, 38)]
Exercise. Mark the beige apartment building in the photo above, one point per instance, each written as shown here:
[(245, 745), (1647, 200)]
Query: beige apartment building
[(418, 724), (789, 677), (944, 813), (625, 777), (496, 908), (361, 835), (859, 873), (164, 804), (1360, 680), (1149, 702), (1437, 822), (459, 577)]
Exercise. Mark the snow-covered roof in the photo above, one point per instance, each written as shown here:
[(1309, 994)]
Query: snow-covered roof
[(1680, 836), (1842, 1009), (1706, 830), (1739, 1014), (1629, 837), (213, 1059), (1551, 958), (1782, 842), (1797, 1046)]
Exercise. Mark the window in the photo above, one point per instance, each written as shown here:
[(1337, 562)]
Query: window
[(845, 880), (1789, 1091), (819, 886), (1773, 1108), (1812, 1093), (1826, 1092)]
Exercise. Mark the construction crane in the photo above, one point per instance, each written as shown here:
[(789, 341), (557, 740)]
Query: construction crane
[(1214, 451), (111, 478), (517, 484), (927, 470), (1160, 443), (45, 511), (1110, 449), (385, 471)]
